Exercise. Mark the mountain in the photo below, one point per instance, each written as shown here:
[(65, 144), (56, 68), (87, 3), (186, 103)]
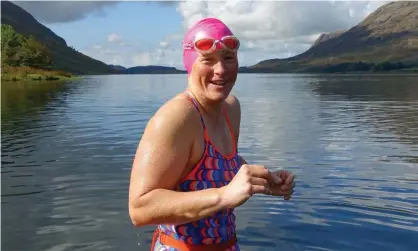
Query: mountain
[(118, 67), (152, 69), (327, 36), (64, 57), (387, 39), (148, 69)]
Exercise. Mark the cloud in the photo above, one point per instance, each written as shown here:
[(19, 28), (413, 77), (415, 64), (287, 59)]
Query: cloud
[(277, 29), (142, 59), (105, 54), (114, 38), (113, 50), (166, 53), (164, 44), (279, 19), (51, 12), (267, 29), (97, 47), (171, 57)]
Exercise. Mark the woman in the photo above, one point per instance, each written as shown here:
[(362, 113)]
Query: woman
[(187, 176)]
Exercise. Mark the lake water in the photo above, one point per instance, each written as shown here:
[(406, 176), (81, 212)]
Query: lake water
[(351, 140)]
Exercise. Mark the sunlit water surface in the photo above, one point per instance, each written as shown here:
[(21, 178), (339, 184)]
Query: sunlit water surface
[(351, 140)]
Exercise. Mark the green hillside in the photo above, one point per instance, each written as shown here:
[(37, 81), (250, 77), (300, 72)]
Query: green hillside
[(24, 58), (386, 40), (152, 69), (63, 57)]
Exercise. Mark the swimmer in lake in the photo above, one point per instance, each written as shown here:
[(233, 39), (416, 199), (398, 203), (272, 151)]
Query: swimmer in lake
[(187, 176)]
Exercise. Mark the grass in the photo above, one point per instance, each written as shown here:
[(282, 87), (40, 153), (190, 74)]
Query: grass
[(23, 73)]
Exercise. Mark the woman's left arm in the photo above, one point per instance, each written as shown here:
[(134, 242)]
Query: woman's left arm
[(234, 113)]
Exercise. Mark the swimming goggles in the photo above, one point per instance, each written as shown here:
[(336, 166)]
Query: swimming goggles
[(208, 45)]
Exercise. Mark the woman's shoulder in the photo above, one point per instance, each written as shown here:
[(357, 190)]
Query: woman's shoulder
[(233, 105), (176, 113), (177, 104), (233, 110)]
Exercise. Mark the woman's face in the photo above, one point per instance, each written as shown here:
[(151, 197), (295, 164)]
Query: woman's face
[(213, 75)]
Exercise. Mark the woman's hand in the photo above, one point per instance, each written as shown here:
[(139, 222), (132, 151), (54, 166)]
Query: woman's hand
[(250, 180), (285, 187), (256, 179)]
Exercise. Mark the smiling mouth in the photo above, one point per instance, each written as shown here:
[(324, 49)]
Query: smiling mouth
[(219, 83)]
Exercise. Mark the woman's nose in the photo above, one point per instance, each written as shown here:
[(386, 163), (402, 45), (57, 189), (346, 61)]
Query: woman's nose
[(219, 67)]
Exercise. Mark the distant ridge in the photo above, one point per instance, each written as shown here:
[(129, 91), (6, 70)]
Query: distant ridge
[(385, 40), (118, 67), (152, 69), (64, 57)]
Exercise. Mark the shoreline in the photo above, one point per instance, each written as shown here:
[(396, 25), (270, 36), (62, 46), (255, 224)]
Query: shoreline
[(30, 74), (284, 72)]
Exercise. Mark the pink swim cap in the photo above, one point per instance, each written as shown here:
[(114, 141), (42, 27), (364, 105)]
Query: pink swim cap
[(211, 27)]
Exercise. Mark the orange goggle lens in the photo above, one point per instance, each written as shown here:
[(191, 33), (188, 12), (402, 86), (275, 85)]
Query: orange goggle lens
[(208, 43), (231, 43), (204, 44)]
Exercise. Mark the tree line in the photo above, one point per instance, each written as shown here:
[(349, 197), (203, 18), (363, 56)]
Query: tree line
[(21, 50), (361, 67)]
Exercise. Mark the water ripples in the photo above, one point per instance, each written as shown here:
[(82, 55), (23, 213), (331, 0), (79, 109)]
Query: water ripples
[(66, 159)]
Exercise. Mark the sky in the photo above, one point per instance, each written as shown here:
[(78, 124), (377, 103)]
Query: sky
[(133, 33)]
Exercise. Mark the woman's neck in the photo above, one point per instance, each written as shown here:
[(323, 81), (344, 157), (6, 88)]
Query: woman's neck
[(212, 110)]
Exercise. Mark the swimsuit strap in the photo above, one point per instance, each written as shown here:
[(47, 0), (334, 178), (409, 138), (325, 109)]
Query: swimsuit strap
[(231, 131), (191, 98), (206, 136)]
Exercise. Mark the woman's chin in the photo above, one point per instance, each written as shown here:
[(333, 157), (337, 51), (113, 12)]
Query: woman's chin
[(218, 93)]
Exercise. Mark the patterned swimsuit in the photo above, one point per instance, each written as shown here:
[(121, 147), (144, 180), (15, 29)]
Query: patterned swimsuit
[(214, 170)]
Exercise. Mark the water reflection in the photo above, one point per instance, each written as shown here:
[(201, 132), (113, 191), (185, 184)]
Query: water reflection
[(364, 87), (388, 104), (333, 143), (29, 111), (68, 162), (20, 98), (66, 166)]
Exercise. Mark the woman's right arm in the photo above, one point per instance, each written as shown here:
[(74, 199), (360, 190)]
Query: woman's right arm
[(160, 161)]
